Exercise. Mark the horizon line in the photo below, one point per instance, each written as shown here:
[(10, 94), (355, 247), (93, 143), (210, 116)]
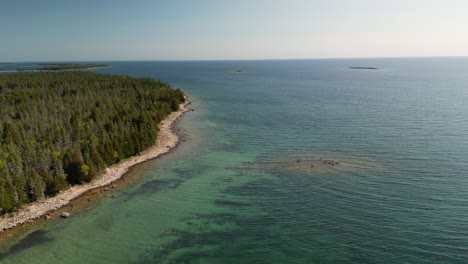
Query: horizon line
[(259, 59)]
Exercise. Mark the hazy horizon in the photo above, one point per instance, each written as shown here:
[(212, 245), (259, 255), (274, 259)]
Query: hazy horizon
[(214, 60), (147, 30)]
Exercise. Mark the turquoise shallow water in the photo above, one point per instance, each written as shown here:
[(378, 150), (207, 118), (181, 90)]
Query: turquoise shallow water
[(233, 192)]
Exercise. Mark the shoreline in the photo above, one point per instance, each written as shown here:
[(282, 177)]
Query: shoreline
[(167, 140)]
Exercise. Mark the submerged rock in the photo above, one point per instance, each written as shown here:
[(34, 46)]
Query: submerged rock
[(65, 215), (317, 164)]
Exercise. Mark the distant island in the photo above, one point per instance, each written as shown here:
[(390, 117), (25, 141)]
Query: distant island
[(6, 63), (363, 68), (67, 66), (238, 71), (63, 129)]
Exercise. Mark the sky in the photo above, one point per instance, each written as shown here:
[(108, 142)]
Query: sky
[(107, 30)]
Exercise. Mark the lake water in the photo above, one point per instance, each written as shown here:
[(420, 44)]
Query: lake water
[(291, 161)]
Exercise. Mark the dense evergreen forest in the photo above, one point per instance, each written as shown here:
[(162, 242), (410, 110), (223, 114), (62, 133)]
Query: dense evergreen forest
[(63, 128)]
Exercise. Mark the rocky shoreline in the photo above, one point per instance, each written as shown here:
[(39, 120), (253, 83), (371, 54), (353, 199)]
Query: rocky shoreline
[(166, 141)]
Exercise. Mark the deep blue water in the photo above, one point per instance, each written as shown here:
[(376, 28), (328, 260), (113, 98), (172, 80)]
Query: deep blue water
[(232, 192)]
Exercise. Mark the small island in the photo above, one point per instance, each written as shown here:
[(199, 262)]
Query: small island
[(363, 68)]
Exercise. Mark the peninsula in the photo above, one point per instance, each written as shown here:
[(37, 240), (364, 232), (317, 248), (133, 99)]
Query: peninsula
[(64, 133), (65, 66)]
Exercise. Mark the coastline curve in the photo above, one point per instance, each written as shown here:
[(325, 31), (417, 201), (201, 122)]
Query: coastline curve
[(166, 141)]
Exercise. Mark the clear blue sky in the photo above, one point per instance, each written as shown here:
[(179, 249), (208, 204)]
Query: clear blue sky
[(46, 30)]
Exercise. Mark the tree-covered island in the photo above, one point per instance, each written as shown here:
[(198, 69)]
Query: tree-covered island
[(63, 128)]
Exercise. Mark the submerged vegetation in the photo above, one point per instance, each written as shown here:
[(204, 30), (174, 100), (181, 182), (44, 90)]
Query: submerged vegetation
[(62, 128)]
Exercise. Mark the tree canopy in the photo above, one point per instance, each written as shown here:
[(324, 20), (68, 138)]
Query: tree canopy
[(63, 128)]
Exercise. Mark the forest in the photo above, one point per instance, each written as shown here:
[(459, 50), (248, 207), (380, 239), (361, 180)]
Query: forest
[(63, 128)]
